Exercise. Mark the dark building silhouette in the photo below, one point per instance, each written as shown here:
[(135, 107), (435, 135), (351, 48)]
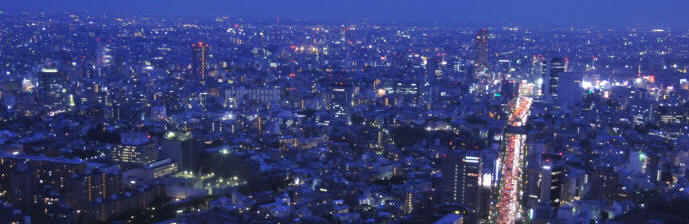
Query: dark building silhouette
[(481, 62), (557, 67), (460, 178), (51, 83)]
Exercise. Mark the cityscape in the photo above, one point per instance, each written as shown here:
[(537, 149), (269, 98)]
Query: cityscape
[(136, 118)]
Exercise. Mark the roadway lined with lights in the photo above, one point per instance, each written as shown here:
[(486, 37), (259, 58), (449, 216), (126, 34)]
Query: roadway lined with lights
[(508, 202)]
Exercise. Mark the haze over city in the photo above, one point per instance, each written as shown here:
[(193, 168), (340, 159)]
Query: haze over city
[(496, 12), (356, 111)]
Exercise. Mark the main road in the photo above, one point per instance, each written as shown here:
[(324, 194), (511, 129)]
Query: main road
[(508, 201)]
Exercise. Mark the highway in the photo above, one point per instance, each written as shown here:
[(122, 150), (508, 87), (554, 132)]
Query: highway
[(508, 204)]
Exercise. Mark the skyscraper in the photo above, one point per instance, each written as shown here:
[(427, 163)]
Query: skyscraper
[(51, 84), (552, 178), (481, 62), (538, 72), (546, 178), (179, 146), (557, 67), (199, 61), (460, 178)]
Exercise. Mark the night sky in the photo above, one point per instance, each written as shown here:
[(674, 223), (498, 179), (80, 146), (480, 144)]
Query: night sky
[(648, 13)]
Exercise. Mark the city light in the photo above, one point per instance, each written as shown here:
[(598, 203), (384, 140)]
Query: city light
[(308, 112)]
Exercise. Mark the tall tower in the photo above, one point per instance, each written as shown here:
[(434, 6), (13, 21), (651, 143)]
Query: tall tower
[(557, 67), (199, 61), (481, 62), (538, 72)]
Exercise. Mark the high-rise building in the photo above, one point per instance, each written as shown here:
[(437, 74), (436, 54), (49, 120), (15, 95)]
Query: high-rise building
[(100, 183), (538, 72), (552, 178), (340, 100), (557, 67), (199, 61), (545, 180), (481, 62), (460, 178), (179, 147), (135, 149), (51, 83), (488, 182), (532, 176)]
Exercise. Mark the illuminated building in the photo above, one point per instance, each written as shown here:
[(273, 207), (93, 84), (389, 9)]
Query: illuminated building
[(481, 62), (546, 181), (557, 67), (103, 209), (199, 62), (404, 93), (488, 182), (243, 96), (162, 168), (40, 170), (51, 84), (287, 142), (101, 183), (460, 178), (538, 71), (552, 178), (135, 149), (340, 100)]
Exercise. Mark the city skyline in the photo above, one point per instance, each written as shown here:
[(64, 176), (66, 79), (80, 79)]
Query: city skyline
[(114, 118)]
